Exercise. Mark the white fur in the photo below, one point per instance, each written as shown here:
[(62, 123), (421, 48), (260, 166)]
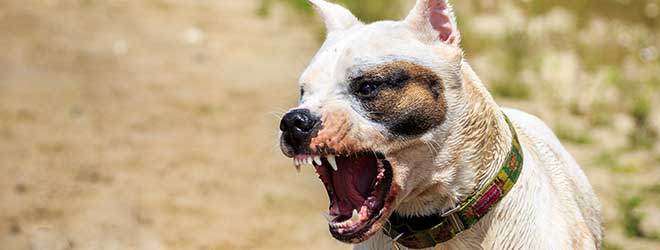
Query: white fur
[(336, 18), (551, 207)]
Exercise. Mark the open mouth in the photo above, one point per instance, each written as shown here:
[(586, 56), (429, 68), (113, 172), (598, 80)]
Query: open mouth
[(359, 189)]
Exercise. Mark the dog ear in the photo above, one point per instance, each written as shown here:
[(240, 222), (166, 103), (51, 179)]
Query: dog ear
[(434, 20), (335, 16)]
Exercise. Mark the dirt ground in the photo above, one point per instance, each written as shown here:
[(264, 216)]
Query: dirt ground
[(153, 125)]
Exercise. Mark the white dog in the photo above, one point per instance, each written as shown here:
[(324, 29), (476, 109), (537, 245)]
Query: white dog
[(414, 152)]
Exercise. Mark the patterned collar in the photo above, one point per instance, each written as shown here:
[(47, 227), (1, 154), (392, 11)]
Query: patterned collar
[(428, 231)]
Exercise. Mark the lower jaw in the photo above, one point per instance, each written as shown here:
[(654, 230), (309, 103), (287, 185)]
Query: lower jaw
[(377, 219), (364, 232)]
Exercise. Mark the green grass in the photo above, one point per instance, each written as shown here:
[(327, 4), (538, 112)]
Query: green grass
[(572, 135), (264, 8), (365, 10), (632, 217), (643, 135), (587, 10), (611, 246), (374, 10), (510, 89), (611, 161), (653, 190), (300, 5)]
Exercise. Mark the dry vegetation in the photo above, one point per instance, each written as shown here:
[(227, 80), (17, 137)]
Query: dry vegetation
[(152, 124)]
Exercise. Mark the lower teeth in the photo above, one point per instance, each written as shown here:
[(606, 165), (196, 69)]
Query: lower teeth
[(356, 216)]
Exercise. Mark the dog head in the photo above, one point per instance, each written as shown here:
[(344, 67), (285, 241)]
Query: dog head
[(377, 103)]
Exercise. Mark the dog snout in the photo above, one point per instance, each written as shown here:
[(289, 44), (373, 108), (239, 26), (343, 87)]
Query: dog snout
[(298, 127)]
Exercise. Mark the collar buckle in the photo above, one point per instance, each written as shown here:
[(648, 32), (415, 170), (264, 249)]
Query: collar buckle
[(451, 211), (454, 219), (456, 223)]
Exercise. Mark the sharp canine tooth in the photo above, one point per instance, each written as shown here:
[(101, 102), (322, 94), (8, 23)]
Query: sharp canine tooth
[(296, 164), (355, 217), (318, 161), (309, 161), (328, 217), (332, 161)]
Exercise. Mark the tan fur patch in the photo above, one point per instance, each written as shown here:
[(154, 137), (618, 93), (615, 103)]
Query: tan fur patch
[(411, 103), (337, 136), (410, 100)]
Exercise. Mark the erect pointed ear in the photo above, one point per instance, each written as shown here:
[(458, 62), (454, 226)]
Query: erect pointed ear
[(335, 16), (434, 20)]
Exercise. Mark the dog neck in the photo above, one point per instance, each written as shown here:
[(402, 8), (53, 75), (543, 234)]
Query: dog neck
[(484, 135), (465, 157)]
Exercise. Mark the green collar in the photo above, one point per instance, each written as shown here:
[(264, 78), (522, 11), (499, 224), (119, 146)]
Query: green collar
[(428, 231)]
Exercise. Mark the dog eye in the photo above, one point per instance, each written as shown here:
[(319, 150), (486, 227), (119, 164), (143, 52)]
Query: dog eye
[(367, 89)]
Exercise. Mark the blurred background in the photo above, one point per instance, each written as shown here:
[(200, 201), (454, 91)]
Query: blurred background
[(153, 124)]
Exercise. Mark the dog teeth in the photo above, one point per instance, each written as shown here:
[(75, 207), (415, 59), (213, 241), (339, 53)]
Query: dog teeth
[(302, 160), (296, 164), (344, 224), (348, 223), (356, 217), (328, 217), (354, 220), (332, 161)]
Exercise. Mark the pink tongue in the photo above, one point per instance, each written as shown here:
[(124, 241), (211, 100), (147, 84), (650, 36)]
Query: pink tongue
[(352, 183)]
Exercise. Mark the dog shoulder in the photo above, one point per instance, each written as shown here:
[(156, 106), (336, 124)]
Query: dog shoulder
[(530, 123), (566, 170)]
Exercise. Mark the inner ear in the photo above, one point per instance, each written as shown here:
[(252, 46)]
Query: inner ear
[(441, 21), (434, 20)]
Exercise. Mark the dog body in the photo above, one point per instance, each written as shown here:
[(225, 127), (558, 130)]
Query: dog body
[(403, 91), (553, 206)]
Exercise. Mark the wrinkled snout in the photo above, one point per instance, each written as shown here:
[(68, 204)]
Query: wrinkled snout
[(298, 127)]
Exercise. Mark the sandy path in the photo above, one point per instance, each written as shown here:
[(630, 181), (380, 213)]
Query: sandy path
[(150, 125)]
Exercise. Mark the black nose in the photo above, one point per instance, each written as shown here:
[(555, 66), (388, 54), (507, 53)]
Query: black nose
[(298, 121), (298, 127)]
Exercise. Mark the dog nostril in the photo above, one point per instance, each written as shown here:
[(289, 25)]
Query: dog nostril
[(300, 120), (297, 129), (303, 123)]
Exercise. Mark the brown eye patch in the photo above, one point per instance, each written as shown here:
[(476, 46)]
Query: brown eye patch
[(408, 99)]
